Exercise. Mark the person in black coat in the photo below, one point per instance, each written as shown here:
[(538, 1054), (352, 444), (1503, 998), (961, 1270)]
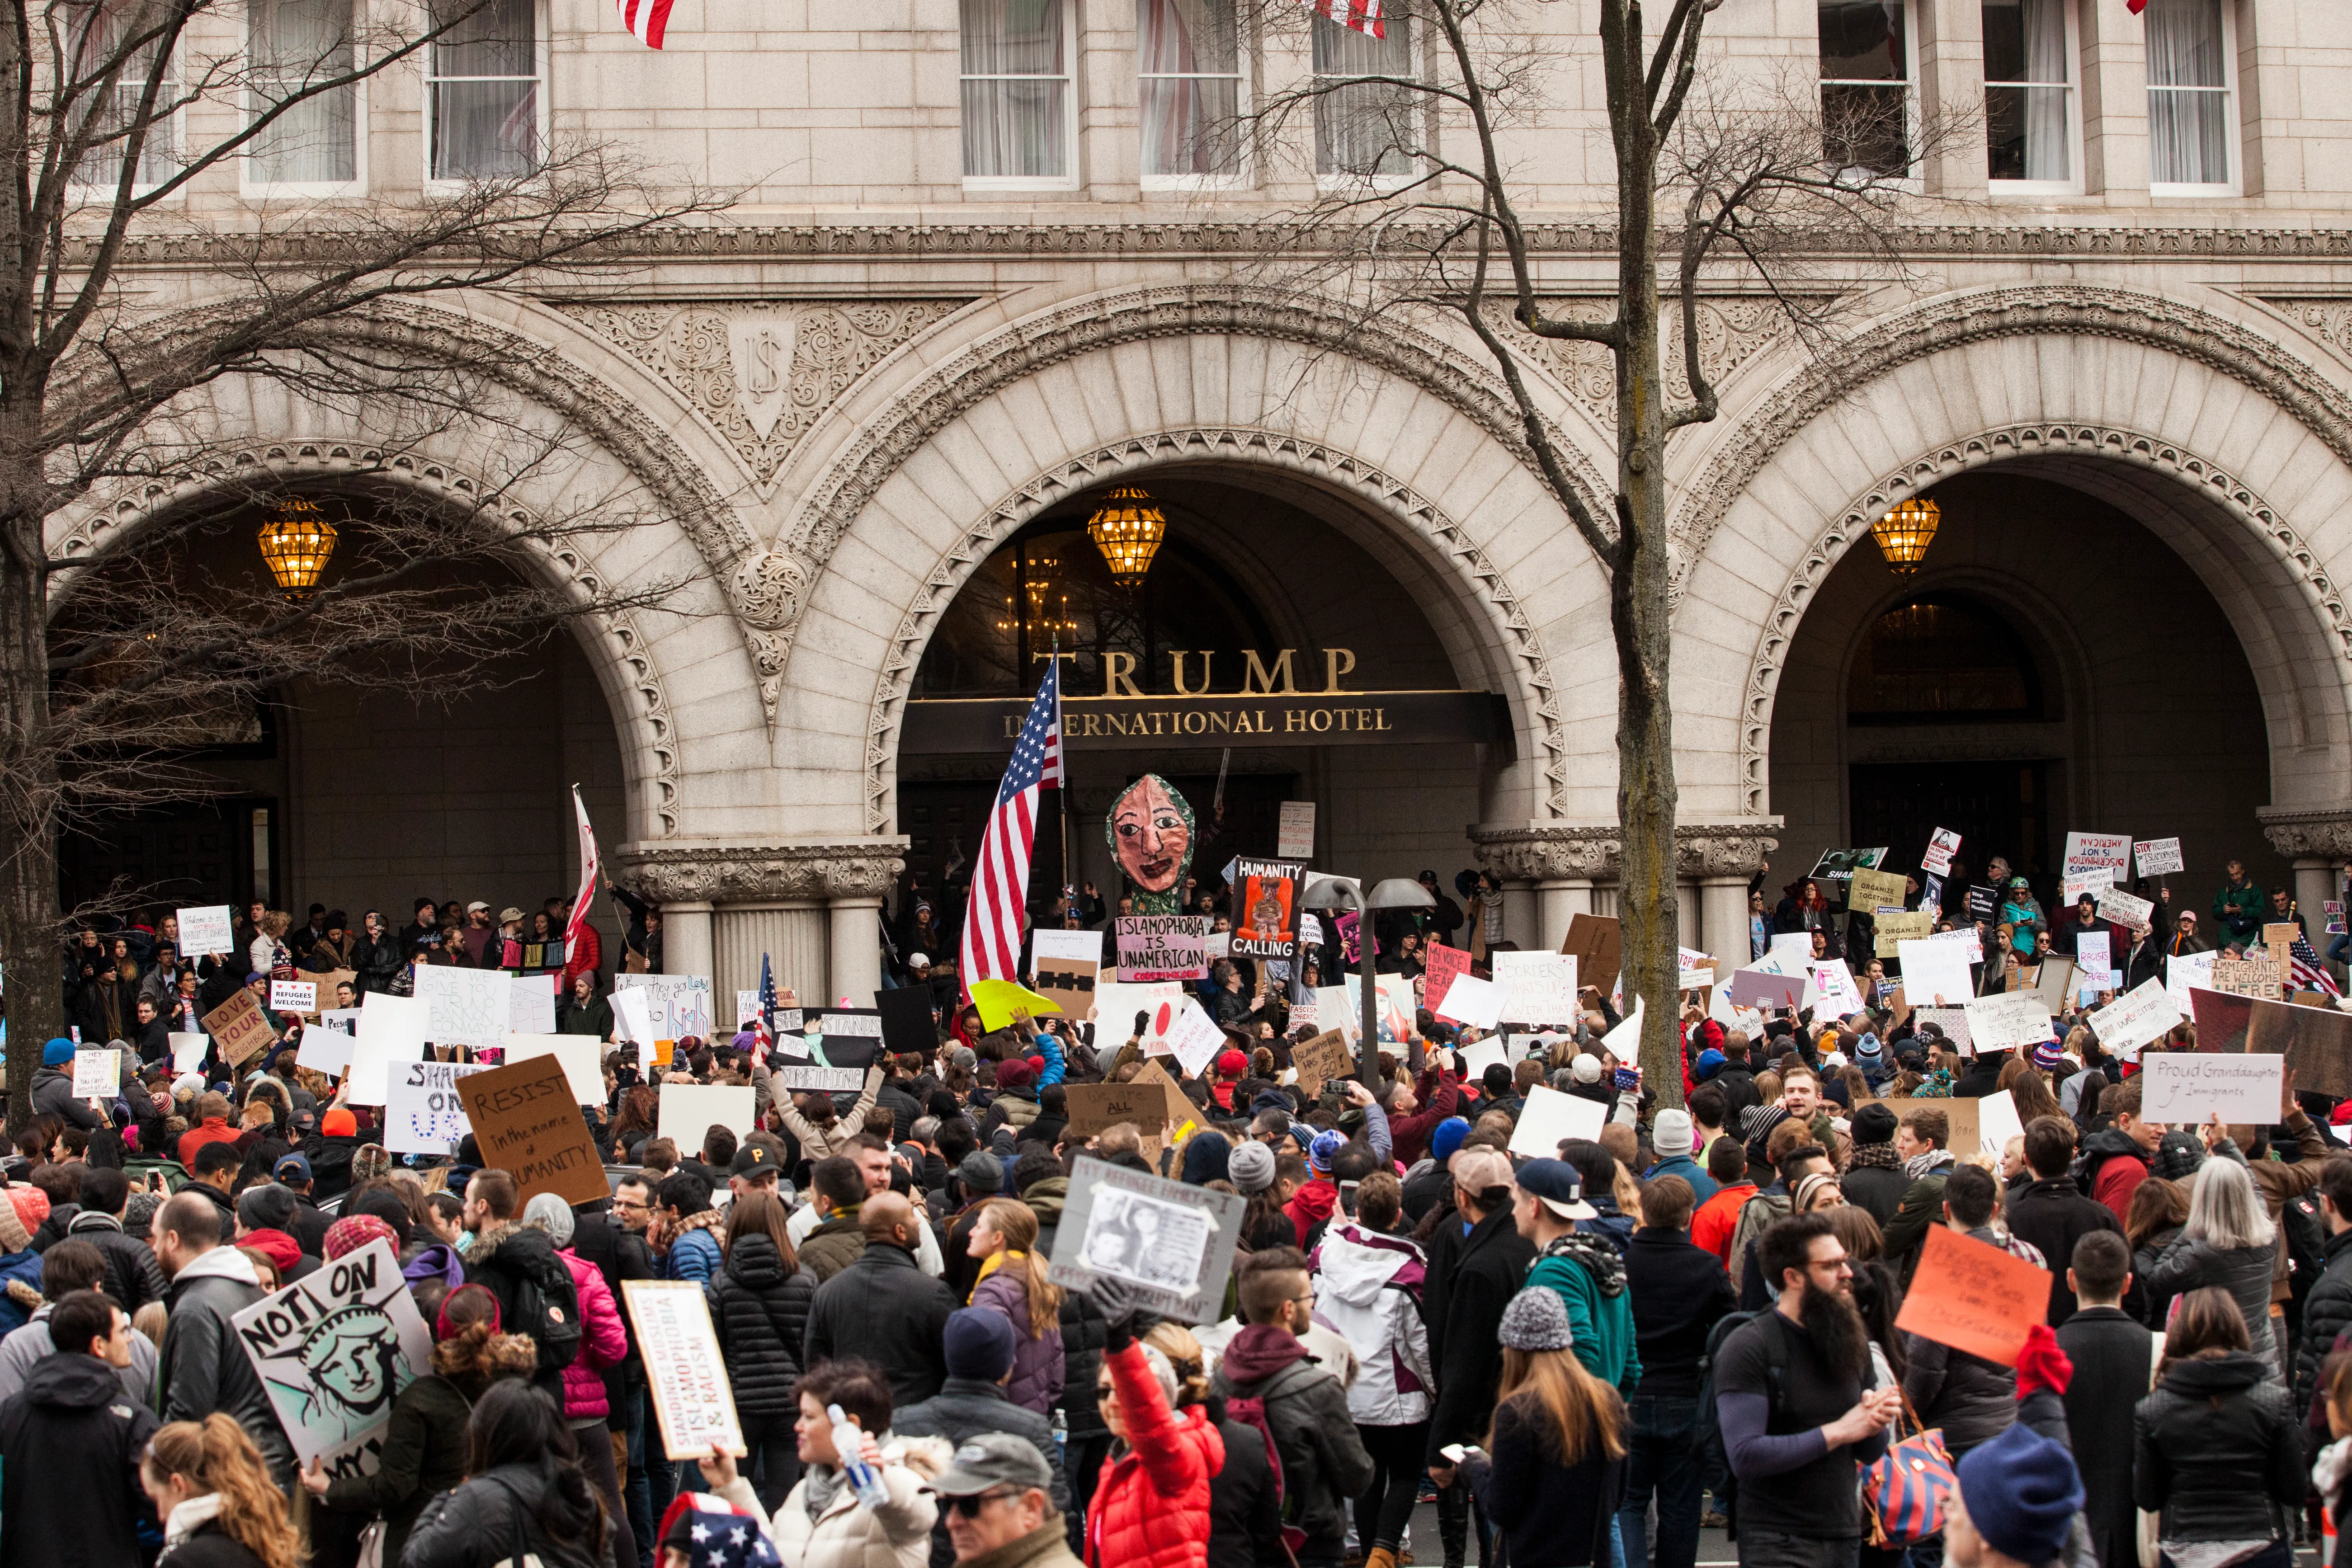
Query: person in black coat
[(2327, 1308), (1472, 1277), (219, 1504), (2051, 1211), (978, 1345), (1680, 1292), (884, 1310), (2113, 1359), (760, 1310), (133, 1276), (1552, 1492), (201, 1368), (526, 1496), (2215, 1447), (69, 1433)]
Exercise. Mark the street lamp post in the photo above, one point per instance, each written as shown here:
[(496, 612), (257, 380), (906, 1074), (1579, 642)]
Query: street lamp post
[(1395, 893)]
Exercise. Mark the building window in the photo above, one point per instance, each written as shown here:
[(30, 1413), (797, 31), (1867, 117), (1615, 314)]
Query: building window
[(1866, 72), (1019, 108), (2188, 109), (294, 45), (102, 38), (1943, 658), (2029, 91), (483, 83), (1190, 68), (1364, 127)]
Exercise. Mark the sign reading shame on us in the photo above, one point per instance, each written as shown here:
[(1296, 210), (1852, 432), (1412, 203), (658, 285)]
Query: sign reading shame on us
[(334, 1349)]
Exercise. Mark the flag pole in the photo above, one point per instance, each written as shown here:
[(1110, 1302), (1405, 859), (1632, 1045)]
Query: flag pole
[(1070, 865)]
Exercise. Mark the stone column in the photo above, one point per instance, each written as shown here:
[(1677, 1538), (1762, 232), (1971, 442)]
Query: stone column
[(1559, 901), (1723, 857), (808, 904), (686, 937), (2318, 840), (1562, 861)]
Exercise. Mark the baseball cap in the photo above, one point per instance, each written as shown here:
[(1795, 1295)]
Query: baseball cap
[(918, 961), (1475, 1168), (294, 1163), (508, 914), (1556, 1185), (757, 1153), (1232, 1064), (477, 908), (993, 1459)]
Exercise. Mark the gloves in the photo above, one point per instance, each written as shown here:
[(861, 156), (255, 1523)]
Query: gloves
[(1116, 1299), (2041, 1365)]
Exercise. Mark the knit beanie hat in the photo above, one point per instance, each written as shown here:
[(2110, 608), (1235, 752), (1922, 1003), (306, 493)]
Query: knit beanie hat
[(1711, 1062), (2022, 1492), (1672, 1135), (352, 1232), (979, 1343), (338, 1124), (1536, 1319), (21, 1216), (1448, 1138), (1873, 1123), (1325, 1149), (1587, 1069), (58, 1052), (1251, 1168), (552, 1214)]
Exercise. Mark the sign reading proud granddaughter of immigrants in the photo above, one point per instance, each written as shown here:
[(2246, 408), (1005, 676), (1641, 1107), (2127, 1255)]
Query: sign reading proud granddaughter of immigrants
[(334, 1349)]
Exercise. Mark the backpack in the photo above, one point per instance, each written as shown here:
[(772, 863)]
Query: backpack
[(1709, 1436), (1250, 1411), (2306, 1245), (547, 1308)]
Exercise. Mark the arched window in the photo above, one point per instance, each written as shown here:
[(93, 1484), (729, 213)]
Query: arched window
[(1943, 658)]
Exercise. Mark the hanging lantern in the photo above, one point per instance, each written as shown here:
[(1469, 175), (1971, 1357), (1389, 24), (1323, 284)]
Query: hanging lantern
[(297, 542), (1904, 533), (1128, 529)]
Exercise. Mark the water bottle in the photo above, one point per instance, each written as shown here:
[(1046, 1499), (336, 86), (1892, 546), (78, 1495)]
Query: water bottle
[(1061, 1433), (849, 1443)]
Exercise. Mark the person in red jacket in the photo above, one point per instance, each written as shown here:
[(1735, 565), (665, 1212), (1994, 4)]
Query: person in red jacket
[(1151, 1509), (1312, 1203), (586, 957), (1415, 1112)]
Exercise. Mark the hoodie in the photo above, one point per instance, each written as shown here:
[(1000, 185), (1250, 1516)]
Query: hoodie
[(1323, 1465), (285, 1254), (1312, 1205), (1368, 1286)]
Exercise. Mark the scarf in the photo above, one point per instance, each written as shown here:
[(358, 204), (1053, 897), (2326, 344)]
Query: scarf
[(190, 1517), (1919, 1167), (1873, 1157), (1600, 1259), (820, 1484), (664, 1235)]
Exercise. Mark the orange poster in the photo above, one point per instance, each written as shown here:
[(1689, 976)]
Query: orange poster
[(1974, 1297)]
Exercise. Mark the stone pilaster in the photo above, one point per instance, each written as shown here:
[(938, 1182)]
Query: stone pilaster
[(2318, 840), (809, 905)]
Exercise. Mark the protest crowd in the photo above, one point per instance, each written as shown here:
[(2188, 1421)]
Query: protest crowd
[(1875, 1293)]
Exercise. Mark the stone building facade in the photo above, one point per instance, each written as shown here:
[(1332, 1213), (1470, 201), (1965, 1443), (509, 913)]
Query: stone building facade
[(2132, 392)]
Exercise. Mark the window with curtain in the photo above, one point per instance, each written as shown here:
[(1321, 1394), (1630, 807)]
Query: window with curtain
[(99, 37), (1188, 66), (293, 45), (1865, 64), (1017, 96), (483, 83), (2029, 91), (1363, 127), (2188, 109)]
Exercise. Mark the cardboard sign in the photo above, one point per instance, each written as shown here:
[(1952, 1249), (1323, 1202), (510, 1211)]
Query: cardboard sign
[(2184, 1088), (1063, 966), (1266, 908), (689, 1111), (1893, 931), (2315, 1041), (2246, 977), (1149, 1105), (293, 996), (2125, 910), (526, 1123), (1162, 947), (1960, 1118), (582, 1059), (1597, 942), (1935, 973), (463, 1006), (686, 1375), (334, 1349), (1294, 834), (1942, 844), (2138, 1017), (2053, 982), (1475, 1002), (207, 930), (240, 1027), (423, 1113), (2158, 856), (1974, 1297), (1551, 1116), (97, 1075), (1173, 1243), (1542, 986), (1762, 988), (1997, 1122), (1323, 1057), (1442, 965), (2016, 1020), (821, 1080), (1877, 890)]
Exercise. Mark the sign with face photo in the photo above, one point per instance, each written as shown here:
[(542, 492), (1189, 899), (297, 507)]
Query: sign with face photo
[(1173, 1243)]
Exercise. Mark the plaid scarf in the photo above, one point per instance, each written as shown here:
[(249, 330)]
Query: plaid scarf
[(1919, 1167), (1600, 1259), (664, 1235)]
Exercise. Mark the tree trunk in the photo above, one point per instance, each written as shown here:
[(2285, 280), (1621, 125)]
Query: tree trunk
[(29, 951)]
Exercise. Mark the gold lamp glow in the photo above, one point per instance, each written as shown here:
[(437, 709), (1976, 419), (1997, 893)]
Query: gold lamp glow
[(1904, 533), (297, 542), (1128, 529)]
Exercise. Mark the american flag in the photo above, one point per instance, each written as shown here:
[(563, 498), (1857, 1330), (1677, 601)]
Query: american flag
[(1362, 15), (588, 867), (649, 20), (763, 1022), (1000, 878), (2303, 970)]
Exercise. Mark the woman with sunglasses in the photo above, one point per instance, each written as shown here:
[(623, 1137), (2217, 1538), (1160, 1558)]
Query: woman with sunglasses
[(1151, 1506)]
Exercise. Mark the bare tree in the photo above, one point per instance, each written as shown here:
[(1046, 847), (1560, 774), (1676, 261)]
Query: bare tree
[(124, 122), (1768, 187)]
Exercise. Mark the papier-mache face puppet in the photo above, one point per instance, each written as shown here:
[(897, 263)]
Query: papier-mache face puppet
[(1150, 833)]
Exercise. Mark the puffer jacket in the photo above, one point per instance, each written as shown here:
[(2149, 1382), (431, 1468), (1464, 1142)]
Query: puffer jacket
[(602, 1342), (2218, 1452), (2244, 1272), (761, 1314), (2326, 1312), (850, 1535), (1151, 1509), (1038, 1365), (1368, 1286)]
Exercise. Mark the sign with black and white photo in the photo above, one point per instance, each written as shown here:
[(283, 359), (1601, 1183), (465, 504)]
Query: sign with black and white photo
[(1172, 1242)]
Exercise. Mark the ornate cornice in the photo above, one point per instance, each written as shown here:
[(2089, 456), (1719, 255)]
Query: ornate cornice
[(1476, 577), (2004, 445), (1733, 849), (2308, 832), (715, 871), (1549, 852)]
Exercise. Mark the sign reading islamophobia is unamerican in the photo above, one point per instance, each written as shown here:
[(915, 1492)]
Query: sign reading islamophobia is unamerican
[(334, 1349)]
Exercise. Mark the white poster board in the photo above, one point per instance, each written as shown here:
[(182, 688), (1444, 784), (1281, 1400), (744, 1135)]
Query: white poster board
[(207, 930), (2138, 1017), (1118, 1002), (2126, 909), (392, 1030), (633, 1020), (531, 1003), (1840, 997), (1475, 1002), (690, 1110), (2015, 1020), (747, 1007), (1551, 1116), (2185, 1088), (423, 1112), (2158, 856), (2185, 971), (1294, 835), (333, 1349), (293, 995), (1996, 1123), (1195, 1039), (188, 1050), (1542, 986), (1075, 946), (1933, 969), (686, 1375), (582, 1059), (97, 1075), (462, 1006), (677, 1004)]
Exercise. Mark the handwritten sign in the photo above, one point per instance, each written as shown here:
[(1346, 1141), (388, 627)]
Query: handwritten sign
[(684, 1371), (423, 1112), (2125, 910), (293, 996), (334, 1349), (1597, 942), (1162, 947), (2246, 977), (1194, 1038), (97, 1075), (1840, 997), (1294, 834), (677, 1005), (1323, 1057), (2138, 1017), (1065, 966), (2016, 1020), (2091, 852), (1974, 1297), (1997, 1122), (463, 1006), (1147, 1104), (2158, 856), (240, 1027), (1542, 986), (2186, 1086), (2187, 972), (1442, 966), (803, 1080), (207, 930), (1876, 890), (527, 1123)]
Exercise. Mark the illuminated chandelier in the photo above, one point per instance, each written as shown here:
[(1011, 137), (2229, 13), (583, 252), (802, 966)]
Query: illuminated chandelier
[(297, 541), (1128, 529), (1904, 533)]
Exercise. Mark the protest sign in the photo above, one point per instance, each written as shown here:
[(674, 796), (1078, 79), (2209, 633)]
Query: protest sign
[(1997, 1122), (1549, 1116), (1294, 835), (1893, 931), (1392, 1006), (1871, 891), (1624, 1041), (801, 1079), (2053, 982), (1693, 970), (2334, 910), (2246, 977), (1542, 986), (423, 1113), (2089, 852), (1323, 1057), (2158, 856), (995, 1000), (1597, 942), (1724, 1011), (207, 930), (1173, 1243), (334, 1349), (240, 1027), (907, 1022), (633, 1017), (1151, 1102), (463, 1006), (1982, 902), (1974, 1297), (1162, 947), (1952, 1021), (1266, 908), (2095, 880), (531, 1003), (1837, 865), (2015, 1020), (1959, 1119), (293, 996), (689, 1111), (2185, 1088), (2093, 953), (2186, 971), (1440, 966), (1840, 997), (1064, 967), (1118, 1003), (1942, 844), (1194, 1038), (525, 1122), (686, 1375), (188, 1052), (1475, 1002), (2315, 1041), (1935, 973), (97, 1075), (747, 1007), (2125, 910), (1758, 988), (2222, 1020), (1475, 1060), (2138, 1017), (1965, 938), (584, 1067), (677, 1005)]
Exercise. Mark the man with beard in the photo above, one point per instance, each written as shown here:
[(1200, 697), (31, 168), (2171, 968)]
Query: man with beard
[(1788, 1396)]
